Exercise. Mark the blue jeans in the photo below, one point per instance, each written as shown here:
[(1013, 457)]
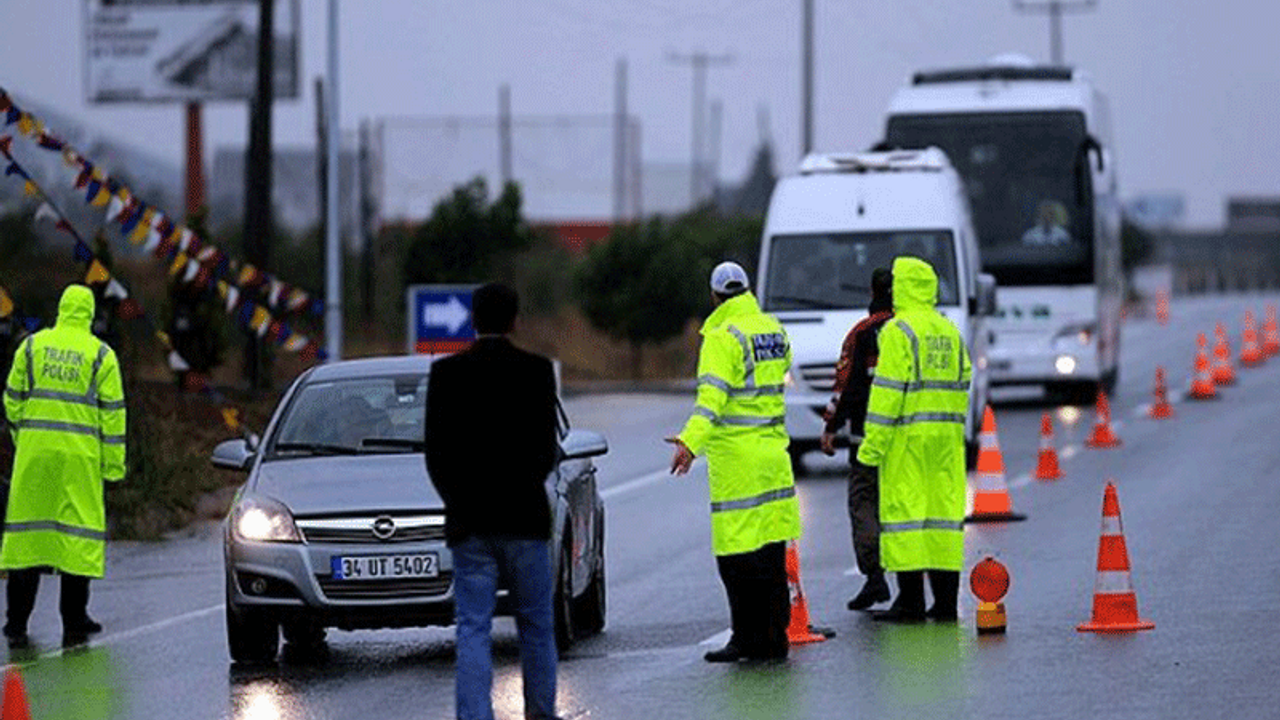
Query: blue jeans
[(525, 565)]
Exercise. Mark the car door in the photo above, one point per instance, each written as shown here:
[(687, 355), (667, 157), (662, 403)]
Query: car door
[(576, 487)]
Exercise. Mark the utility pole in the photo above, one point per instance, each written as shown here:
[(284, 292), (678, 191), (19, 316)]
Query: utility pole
[(620, 143), (504, 134), (1054, 9), (257, 200), (806, 80), (699, 61), (332, 238)]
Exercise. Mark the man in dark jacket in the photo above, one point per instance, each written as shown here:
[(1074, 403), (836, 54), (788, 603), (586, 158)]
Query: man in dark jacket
[(491, 440), (848, 404)]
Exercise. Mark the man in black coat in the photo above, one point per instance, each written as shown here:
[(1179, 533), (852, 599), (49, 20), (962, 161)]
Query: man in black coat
[(491, 440)]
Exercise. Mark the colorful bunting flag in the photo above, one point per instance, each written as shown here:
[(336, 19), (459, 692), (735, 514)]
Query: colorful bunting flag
[(46, 212), (97, 273), (82, 251), (6, 304)]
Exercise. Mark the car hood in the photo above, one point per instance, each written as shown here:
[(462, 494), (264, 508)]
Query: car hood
[(345, 485)]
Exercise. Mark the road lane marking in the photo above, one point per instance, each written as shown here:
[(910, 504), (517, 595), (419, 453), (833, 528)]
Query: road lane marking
[(635, 484), (719, 639), (142, 630)]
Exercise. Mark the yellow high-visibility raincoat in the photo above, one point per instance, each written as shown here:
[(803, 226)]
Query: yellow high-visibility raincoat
[(915, 427), (65, 403), (739, 422)]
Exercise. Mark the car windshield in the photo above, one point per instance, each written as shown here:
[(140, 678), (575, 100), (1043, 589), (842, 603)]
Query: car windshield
[(359, 415), (833, 271), (1020, 171)]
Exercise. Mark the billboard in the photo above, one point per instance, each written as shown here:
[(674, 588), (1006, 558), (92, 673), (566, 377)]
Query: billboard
[(184, 50)]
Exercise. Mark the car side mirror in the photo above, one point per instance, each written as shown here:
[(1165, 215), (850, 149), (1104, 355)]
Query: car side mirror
[(581, 444), (235, 454), (984, 302)]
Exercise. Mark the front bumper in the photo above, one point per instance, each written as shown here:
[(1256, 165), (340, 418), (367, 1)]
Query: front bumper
[(1040, 364), (294, 581)]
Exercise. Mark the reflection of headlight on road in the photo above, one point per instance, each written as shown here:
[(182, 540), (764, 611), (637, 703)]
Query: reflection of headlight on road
[(1065, 364), (265, 521), (260, 701)]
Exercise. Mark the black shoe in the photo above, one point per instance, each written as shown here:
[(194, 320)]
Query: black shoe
[(942, 614), (876, 590), (87, 626), (74, 638), (17, 640), (727, 654), (898, 614)]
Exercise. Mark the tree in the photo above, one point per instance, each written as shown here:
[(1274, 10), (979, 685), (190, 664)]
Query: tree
[(465, 236), (643, 284)]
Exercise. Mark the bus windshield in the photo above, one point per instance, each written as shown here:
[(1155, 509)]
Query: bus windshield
[(1020, 172), (833, 271)]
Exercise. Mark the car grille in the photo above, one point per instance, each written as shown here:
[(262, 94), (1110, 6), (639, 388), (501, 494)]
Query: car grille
[(819, 377), (359, 531), (384, 589)]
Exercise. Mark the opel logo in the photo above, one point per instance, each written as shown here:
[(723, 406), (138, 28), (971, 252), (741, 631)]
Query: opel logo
[(384, 527)]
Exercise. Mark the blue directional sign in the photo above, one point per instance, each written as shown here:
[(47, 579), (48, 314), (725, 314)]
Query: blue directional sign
[(440, 318)]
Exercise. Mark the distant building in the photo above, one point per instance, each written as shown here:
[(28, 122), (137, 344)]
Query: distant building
[(1253, 215)]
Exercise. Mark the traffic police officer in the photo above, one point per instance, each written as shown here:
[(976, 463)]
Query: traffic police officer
[(65, 404), (915, 436), (738, 422)]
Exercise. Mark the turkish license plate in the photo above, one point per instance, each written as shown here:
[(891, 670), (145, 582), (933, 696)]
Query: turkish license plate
[(384, 567)]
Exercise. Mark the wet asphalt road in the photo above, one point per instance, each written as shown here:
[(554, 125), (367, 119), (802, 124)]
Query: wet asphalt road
[(1199, 497)]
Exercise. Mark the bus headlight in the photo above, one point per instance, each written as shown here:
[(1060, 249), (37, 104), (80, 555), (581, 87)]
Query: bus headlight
[(1075, 335), (1065, 364)]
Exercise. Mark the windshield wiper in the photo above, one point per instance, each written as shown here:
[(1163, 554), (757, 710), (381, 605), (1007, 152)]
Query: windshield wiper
[(316, 448), (401, 443), (807, 302)]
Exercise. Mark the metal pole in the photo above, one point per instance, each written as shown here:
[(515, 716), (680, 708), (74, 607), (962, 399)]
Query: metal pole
[(1054, 9), (699, 61), (806, 45), (504, 133), (1055, 32), (333, 247), (195, 160), (620, 143), (699, 101)]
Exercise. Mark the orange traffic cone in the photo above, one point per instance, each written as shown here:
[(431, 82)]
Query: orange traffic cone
[(1161, 409), (1270, 333), (1250, 352), (1223, 373), (991, 501), (15, 696), (1115, 606), (799, 631), (1202, 385), (1102, 436), (1162, 306), (1047, 466)]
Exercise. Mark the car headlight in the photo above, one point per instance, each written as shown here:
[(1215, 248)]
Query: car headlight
[(263, 520)]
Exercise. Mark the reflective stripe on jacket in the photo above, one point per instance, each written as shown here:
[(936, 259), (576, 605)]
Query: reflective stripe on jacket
[(915, 427), (738, 422), (65, 403)]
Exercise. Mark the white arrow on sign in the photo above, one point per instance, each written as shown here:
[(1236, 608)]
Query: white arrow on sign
[(451, 315)]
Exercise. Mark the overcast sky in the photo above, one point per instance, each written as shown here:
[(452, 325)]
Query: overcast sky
[(1194, 85)]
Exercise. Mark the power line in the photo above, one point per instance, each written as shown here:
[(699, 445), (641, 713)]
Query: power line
[(1054, 9)]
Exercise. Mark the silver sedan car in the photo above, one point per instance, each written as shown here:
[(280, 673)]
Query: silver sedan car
[(338, 525)]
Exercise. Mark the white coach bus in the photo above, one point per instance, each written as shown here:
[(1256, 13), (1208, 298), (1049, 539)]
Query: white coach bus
[(1033, 145)]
